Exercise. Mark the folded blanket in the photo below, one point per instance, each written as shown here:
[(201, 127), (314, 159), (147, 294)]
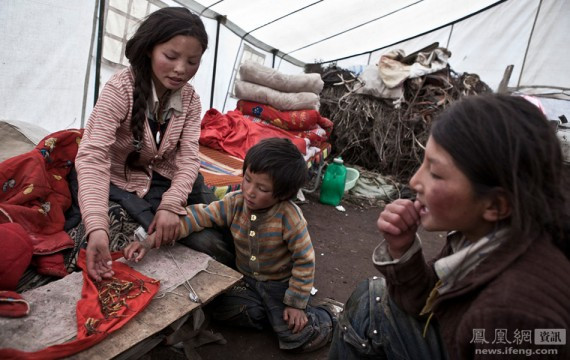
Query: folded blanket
[(271, 78), (245, 90)]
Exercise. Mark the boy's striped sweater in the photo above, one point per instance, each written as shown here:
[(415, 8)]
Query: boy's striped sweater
[(273, 245)]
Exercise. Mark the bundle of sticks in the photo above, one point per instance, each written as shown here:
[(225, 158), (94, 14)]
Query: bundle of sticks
[(381, 135)]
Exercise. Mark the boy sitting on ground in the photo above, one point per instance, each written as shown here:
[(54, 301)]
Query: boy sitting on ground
[(273, 249)]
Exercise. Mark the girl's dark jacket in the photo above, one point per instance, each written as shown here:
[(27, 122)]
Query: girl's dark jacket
[(523, 285)]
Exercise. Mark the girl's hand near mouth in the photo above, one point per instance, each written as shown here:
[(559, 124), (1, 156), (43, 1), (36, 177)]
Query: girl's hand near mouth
[(398, 222)]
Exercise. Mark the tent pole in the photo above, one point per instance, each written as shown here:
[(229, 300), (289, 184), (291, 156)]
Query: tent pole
[(99, 49), (529, 41), (274, 52), (89, 62), (220, 19), (234, 74)]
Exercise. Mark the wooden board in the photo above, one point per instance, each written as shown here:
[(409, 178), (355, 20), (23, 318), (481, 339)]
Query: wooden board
[(52, 316)]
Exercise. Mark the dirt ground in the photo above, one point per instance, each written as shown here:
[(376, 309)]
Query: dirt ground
[(343, 243)]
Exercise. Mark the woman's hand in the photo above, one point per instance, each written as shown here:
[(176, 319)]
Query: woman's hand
[(98, 256), (399, 222), (165, 227), (295, 318)]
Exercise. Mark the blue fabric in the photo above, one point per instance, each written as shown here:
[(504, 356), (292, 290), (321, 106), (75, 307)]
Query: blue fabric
[(259, 305), (373, 327)]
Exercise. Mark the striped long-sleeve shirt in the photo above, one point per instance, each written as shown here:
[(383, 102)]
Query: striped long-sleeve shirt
[(108, 140), (270, 245)]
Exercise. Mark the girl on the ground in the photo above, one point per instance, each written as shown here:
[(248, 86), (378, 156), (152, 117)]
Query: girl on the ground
[(142, 137), (492, 177)]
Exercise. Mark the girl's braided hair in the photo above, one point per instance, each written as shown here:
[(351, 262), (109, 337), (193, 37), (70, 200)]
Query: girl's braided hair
[(159, 27)]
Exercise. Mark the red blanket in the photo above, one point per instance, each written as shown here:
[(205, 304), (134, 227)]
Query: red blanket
[(288, 120), (35, 194), (234, 134), (297, 120)]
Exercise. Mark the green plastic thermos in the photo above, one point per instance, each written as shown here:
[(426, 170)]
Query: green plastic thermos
[(334, 180)]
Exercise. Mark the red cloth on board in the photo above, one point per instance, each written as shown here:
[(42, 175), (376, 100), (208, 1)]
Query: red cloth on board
[(88, 307), (234, 134)]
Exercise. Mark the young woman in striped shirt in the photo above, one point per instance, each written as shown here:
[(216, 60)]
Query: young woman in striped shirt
[(142, 137)]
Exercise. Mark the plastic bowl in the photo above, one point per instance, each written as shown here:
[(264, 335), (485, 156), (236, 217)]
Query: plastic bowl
[(351, 176)]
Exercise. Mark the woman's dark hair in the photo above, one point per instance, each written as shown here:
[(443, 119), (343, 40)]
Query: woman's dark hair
[(505, 142), (282, 161), (159, 27)]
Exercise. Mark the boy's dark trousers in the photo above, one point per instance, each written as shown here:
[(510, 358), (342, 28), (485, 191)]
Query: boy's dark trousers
[(259, 304)]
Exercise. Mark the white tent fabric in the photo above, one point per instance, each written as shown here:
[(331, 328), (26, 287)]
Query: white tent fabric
[(326, 30), (45, 56), (49, 48), (549, 49)]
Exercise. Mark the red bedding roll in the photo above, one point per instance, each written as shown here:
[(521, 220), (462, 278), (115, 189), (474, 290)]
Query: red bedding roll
[(288, 120)]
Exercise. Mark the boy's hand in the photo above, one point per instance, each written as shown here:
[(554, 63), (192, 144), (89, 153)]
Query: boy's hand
[(136, 250), (399, 222), (295, 318)]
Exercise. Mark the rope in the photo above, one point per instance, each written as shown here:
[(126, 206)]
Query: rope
[(191, 293)]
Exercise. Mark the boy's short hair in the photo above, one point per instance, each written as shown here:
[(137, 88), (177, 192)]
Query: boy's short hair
[(282, 161)]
